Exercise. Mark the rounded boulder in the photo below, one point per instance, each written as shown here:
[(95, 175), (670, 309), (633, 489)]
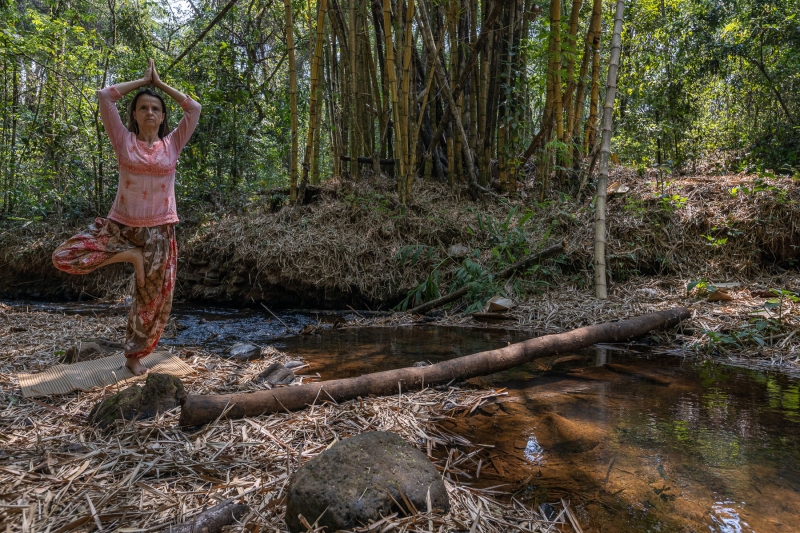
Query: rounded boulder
[(361, 479)]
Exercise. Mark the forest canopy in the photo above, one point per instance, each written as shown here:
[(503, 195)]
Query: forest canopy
[(474, 94)]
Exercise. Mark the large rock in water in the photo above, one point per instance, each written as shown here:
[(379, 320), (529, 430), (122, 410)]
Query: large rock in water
[(160, 393), (360, 479)]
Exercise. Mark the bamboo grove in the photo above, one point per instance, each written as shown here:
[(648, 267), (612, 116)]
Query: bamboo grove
[(479, 94), (426, 90)]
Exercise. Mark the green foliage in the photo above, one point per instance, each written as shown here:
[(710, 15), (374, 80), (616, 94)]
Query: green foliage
[(507, 242), (702, 286), (507, 238), (672, 202), (411, 254), (760, 329), (709, 79), (763, 183), (424, 292), (54, 155)]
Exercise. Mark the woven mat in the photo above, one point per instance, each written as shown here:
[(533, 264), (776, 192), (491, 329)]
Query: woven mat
[(87, 375)]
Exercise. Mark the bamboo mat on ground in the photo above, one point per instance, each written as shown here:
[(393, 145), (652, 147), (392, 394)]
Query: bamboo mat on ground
[(86, 375)]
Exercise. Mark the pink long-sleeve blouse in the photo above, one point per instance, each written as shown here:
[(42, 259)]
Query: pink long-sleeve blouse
[(146, 191)]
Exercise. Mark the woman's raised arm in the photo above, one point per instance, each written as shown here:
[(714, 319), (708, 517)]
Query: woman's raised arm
[(108, 110), (191, 111)]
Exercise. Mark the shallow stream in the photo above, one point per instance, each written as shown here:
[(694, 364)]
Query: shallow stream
[(636, 441)]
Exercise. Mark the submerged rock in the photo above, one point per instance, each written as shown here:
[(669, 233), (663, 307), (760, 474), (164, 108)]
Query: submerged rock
[(161, 392), (557, 432), (361, 479)]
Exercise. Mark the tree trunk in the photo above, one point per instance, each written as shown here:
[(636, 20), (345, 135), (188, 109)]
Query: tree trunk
[(605, 152), (287, 7), (201, 409)]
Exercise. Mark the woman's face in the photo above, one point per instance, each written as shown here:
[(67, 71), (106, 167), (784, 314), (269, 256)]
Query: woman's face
[(148, 113)]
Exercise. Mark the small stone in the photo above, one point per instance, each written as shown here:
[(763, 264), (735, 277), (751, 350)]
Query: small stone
[(457, 251), (161, 392), (293, 364), (276, 374), (90, 349), (361, 479), (75, 447), (244, 351), (420, 364)]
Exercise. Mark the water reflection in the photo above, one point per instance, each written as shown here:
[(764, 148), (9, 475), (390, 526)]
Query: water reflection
[(636, 441), (725, 519), (534, 451)]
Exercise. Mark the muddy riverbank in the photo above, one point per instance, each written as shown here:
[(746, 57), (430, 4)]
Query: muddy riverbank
[(669, 244)]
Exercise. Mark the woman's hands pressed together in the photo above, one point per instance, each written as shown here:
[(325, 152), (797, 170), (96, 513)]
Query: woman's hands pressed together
[(150, 77)]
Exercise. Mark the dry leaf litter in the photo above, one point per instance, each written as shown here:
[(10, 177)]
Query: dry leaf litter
[(58, 474)]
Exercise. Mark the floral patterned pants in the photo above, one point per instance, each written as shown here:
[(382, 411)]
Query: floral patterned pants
[(152, 303)]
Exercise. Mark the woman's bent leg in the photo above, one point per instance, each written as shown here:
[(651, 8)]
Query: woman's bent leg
[(152, 302), (92, 248)]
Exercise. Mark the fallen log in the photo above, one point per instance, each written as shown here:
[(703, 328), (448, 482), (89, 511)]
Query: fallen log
[(201, 409), (522, 264)]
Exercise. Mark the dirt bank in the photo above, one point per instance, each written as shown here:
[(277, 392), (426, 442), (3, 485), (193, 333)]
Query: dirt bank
[(343, 248)]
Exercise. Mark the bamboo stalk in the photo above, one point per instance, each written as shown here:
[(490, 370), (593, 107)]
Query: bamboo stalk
[(312, 119), (605, 151), (405, 147), (592, 30), (391, 73), (590, 135)]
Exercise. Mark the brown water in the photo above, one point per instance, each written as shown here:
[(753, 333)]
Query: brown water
[(636, 441)]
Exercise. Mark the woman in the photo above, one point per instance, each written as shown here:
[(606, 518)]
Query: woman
[(140, 228)]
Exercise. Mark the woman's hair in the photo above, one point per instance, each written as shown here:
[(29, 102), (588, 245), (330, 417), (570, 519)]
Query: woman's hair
[(163, 128)]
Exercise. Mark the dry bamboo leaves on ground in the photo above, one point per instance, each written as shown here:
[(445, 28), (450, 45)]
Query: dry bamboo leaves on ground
[(56, 472)]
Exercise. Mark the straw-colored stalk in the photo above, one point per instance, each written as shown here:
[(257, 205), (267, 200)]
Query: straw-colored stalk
[(391, 74), (577, 113), (287, 7), (406, 177), (322, 8), (605, 152), (590, 135)]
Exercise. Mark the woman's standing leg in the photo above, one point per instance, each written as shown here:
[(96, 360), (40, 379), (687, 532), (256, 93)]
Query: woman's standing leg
[(152, 302)]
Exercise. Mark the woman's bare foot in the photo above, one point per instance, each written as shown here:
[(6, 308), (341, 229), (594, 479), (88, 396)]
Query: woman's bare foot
[(136, 366)]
